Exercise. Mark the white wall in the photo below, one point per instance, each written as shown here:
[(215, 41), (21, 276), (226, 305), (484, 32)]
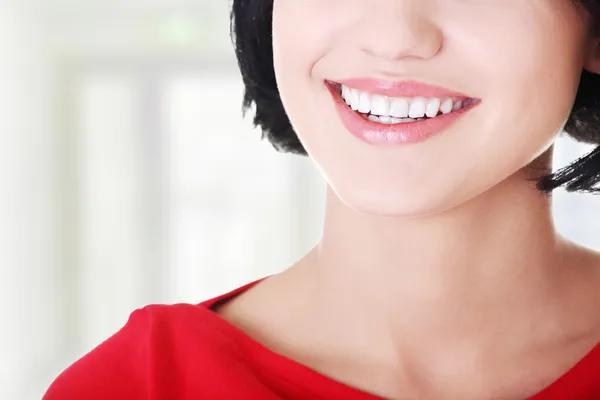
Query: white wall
[(28, 295)]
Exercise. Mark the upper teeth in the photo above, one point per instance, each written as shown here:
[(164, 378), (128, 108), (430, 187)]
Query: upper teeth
[(401, 107)]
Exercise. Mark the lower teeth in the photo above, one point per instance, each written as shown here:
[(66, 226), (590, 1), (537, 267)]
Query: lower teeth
[(390, 120)]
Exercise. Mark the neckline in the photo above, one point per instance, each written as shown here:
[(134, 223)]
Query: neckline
[(586, 367)]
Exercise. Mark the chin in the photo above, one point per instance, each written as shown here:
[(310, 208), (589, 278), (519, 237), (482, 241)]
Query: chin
[(397, 204)]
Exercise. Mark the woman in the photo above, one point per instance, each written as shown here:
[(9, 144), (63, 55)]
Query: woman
[(440, 274)]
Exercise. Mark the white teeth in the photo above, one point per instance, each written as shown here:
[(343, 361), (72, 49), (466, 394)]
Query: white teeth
[(433, 107), (457, 105), (417, 107), (354, 99), (380, 105), (346, 95), (446, 106), (401, 107), (365, 103), (391, 120)]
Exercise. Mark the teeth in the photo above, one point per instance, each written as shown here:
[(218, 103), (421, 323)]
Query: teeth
[(446, 106), (354, 99), (364, 103), (402, 107), (433, 107), (417, 107), (391, 120), (380, 105), (399, 108), (346, 95), (457, 105)]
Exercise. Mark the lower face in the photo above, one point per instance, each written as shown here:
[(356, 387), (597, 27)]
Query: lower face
[(414, 107)]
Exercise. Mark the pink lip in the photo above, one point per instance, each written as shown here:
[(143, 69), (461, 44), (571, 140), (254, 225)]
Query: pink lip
[(397, 134), (399, 89)]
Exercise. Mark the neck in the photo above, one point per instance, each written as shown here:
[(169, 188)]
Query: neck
[(465, 270), (495, 237)]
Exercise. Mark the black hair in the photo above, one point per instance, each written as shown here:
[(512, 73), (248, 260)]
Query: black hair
[(251, 32)]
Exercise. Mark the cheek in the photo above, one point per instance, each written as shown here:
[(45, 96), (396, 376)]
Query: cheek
[(296, 49), (300, 31), (537, 75), (529, 78)]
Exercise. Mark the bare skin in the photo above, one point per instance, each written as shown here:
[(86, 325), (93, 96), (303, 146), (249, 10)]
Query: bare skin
[(496, 309), (440, 274)]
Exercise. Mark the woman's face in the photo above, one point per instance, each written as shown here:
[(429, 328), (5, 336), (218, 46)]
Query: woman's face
[(520, 59)]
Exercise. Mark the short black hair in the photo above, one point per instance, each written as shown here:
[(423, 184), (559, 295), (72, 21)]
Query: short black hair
[(251, 33)]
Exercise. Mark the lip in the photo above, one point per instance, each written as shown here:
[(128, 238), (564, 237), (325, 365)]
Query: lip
[(397, 134), (399, 89)]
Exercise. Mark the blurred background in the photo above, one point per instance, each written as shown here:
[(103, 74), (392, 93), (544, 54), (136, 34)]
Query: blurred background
[(129, 177)]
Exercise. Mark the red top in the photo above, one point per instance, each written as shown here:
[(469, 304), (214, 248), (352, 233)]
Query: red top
[(184, 351)]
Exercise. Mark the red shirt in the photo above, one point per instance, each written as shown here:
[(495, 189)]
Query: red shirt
[(188, 352)]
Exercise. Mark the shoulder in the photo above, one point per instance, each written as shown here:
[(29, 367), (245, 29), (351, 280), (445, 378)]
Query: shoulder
[(140, 360)]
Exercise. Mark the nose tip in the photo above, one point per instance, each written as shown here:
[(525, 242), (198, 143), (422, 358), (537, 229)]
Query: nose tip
[(408, 35), (407, 45)]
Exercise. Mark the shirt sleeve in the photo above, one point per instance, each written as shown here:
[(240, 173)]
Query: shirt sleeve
[(113, 370)]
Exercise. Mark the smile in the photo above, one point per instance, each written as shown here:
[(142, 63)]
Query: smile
[(389, 110), (386, 113)]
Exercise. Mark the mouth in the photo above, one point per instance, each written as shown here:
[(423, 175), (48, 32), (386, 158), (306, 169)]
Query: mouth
[(381, 116)]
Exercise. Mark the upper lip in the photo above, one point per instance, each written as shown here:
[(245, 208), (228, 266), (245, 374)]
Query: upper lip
[(407, 88)]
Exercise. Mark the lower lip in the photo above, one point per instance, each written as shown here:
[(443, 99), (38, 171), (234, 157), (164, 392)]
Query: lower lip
[(396, 134)]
